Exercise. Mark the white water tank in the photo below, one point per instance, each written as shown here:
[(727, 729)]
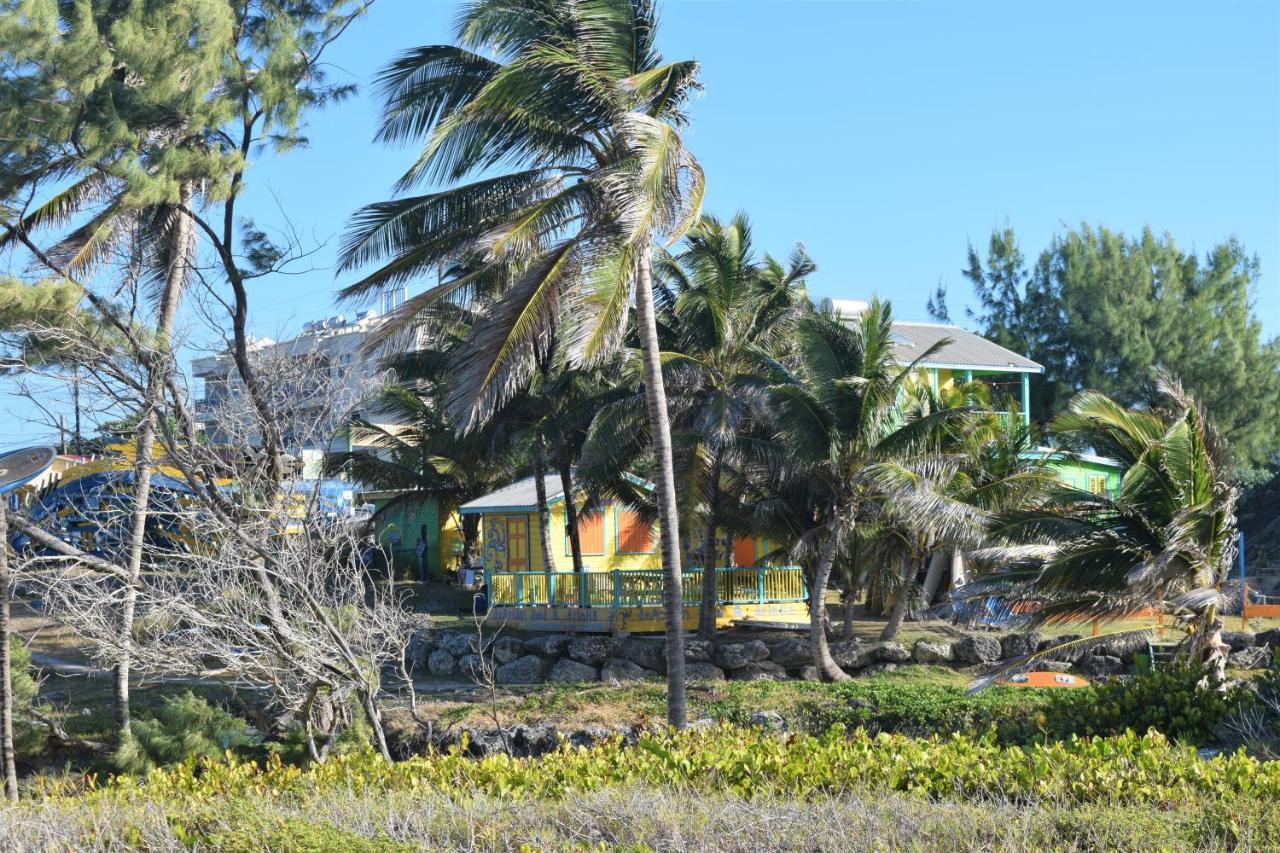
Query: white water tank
[(843, 307)]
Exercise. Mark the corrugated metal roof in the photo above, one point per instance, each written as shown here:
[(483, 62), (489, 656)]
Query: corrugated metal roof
[(963, 350), (520, 495)]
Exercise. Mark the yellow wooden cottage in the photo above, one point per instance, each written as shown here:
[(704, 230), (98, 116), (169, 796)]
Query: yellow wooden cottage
[(620, 588)]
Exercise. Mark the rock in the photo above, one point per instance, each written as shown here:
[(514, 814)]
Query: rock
[(756, 650), (550, 645), (877, 668), (421, 644), (568, 671), (733, 656), (1053, 665), (1253, 657), (1019, 645), (482, 742), (529, 741), (506, 649), (1073, 655), (791, 652), (977, 649), (930, 651), (1270, 638), (761, 670), (702, 724), (455, 643), (650, 654), (699, 651), (852, 654), (698, 671), (621, 669), (593, 650), (469, 665), (889, 652), (589, 736), (1120, 647), (1097, 666), (529, 669), (806, 673), (770, 721), (1239, 640), (441, 662)]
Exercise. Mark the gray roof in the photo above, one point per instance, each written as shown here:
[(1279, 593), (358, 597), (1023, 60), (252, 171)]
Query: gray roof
[(964, 350), (522, 495)]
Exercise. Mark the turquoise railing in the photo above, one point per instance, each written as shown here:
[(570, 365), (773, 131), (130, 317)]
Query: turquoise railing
[(643, 587)]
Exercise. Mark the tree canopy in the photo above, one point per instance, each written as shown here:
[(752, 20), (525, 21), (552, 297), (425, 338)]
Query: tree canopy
[(1102, 311)]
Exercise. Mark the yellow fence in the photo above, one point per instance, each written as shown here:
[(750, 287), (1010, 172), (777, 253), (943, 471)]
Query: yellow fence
[(643, 588)]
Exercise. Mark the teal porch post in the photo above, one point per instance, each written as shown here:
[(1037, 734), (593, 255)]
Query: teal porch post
[(933, 379), (1026, 399)]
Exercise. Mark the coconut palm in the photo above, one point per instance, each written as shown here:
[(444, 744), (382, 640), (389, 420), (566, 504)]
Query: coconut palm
[(565, 119), (727, 316), (854, 450), (1166, 539)]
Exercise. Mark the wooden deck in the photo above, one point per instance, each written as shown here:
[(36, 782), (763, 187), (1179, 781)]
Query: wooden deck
[(626, 601)]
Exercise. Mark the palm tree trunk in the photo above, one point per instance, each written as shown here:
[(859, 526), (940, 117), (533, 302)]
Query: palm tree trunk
[(822, 660), (544, 514), (899, 612), (660, 428), (6, 666), (571, 513), (707, 609), (158, 365)]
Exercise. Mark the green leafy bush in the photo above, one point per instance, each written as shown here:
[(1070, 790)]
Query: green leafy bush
[(1168, 700), (183, 728)]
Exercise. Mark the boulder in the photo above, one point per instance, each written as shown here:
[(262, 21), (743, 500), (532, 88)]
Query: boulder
[(506, 649), (852, 654), (1053, 665), (455, 643), (532, 741), (482, 742), (1239, 640), (770, 721), (932, 651), (698, 671), (1098, 666), (1014, 646), (589, 736), (734, 656), (529, 669), (1269, 637), (890, 652), (550, 645), (977, 649), (568, 671), (650, 654), (593, 650), (421, 644), (699, 651), (761, 670), (1120, 647), (621, 669), (756, 650), (791, 652), (805, 673), (1071, 655), (1253, 657), (441, 662), (877, 668), (469, 665)]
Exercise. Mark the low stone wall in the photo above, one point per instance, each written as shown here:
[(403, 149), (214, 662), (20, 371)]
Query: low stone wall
[(555, 658)]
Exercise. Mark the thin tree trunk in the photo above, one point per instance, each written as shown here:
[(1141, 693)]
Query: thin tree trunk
[(822, 660), (75, 405), (707, 610), (899, 612), (660, 428), (846, 607), (6, 665), (157, 364), (544, 513), (571, 513), (374, 715)]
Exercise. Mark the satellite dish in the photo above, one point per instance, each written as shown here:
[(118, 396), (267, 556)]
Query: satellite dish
[(19, 467)]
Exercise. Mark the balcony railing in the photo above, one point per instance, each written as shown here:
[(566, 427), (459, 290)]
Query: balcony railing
[(643, 587)]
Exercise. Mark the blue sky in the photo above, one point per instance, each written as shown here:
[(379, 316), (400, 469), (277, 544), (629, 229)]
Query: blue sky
[(886, 136)]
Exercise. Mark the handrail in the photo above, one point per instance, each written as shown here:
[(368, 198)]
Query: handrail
[(643, 587)]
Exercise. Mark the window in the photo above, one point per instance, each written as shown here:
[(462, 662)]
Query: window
[(1098, 485), (744, 551), (590, 534), (635, 535), (517, 543)]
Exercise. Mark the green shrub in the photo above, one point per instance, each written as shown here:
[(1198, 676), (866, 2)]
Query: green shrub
[(26, 735), (1168, 700), (183, 728)]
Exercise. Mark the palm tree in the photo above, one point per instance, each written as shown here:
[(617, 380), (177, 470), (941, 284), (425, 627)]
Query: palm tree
[(573, 108), (854, 449), (726, 316), (1166, 539)]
